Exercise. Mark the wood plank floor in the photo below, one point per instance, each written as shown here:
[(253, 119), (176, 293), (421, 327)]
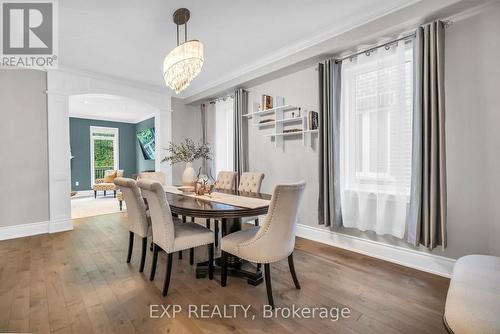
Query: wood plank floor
[(78, 282)]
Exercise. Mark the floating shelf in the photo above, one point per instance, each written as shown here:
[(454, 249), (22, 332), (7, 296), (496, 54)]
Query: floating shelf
[(281, 117), (290, 133), (286, 120), (270, 111)]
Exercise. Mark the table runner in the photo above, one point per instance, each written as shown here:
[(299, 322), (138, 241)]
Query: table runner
[(235, 200)]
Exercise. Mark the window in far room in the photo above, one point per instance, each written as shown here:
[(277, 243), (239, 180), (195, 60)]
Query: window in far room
[(103, 151)]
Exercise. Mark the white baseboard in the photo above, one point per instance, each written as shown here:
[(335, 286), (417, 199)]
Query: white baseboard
[(430, 263), (26, 230)]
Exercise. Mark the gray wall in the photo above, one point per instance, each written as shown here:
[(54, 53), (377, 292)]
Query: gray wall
[(186, 123), (473, 139), (24, 195), (295, 162), (141, 163), (79, 130)]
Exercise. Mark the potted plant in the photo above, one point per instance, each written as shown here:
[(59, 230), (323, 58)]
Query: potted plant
[(187, 151)]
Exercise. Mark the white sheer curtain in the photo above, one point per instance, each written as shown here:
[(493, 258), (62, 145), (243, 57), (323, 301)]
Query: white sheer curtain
[(376, 116), (224, 135)]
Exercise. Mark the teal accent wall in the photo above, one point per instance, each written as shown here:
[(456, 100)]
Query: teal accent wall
[(141, 163), (79, 129)]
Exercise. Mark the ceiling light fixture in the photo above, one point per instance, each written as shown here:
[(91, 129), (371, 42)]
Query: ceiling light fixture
[(184, 62)]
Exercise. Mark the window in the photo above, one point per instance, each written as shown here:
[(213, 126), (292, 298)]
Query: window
[(376, 124), (224, 135), (103, 151)]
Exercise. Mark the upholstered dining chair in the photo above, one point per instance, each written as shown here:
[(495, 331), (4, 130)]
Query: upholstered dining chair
[(251, 182), (169, 236), (138, 220), (273, 241), (226, 180)]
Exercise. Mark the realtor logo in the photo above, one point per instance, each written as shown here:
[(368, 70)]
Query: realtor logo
[(28, 33)]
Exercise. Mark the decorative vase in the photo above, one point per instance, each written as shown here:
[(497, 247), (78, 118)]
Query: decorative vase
[(189, 175)]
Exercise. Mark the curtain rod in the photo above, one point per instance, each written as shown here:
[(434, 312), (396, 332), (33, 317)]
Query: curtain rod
[(373, 48), (221, 98), (446, 24)]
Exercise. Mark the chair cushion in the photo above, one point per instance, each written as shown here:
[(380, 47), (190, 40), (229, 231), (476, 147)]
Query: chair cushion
[(231, 241), (189, 235), (104, 186), (473, 300)]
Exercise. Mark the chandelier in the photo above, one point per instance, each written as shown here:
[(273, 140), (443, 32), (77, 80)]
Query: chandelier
[(184, 62)]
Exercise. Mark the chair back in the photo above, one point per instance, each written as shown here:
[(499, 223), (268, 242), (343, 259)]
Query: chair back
[(155, 176), (275, 239), (251, 182), (225, 181), (161, 216), (136, 208)]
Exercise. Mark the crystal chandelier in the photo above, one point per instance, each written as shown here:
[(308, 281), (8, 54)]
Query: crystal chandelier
[(184, 62)]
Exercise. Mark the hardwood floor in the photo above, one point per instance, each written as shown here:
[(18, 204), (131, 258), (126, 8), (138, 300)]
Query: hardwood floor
[(79, 282)]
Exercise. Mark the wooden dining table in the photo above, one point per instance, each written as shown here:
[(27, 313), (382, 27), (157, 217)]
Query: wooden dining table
[(230, 217)]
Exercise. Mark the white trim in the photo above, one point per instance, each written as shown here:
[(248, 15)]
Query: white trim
[(26, 230), (434, 264)]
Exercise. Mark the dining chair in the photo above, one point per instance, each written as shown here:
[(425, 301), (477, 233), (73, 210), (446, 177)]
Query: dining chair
[(226, 180), (171, 237), (138, 221), (271, 242), (251, 182)]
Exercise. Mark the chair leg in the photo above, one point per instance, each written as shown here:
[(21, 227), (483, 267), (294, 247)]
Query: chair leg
[(191, 256), (95, 193), (216, 232), (257, 222), (267, 274), (210, 261), (114, 193), (151, 246), (143, 255), (183, 219), (180, 255), (130, 245), (153, 264), (192, 219), (207, 223), (121, 205), (223, 272), (166, 283), (104, 193), (292, 271)]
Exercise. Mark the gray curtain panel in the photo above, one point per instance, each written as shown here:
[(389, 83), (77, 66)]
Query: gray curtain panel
[(240, 151), (329, 211), (427, 224)]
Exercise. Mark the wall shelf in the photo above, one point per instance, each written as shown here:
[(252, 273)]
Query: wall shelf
[(281, 119), (257, 112)]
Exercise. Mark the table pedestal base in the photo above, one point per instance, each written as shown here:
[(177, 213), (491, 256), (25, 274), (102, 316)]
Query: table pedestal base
[(235, 267)]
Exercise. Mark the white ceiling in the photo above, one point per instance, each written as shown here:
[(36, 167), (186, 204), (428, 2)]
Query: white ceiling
[(109, 108), (129, 39)]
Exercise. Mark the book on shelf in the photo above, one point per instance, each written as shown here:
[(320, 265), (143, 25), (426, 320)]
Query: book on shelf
[(266, 102), (312, 120)]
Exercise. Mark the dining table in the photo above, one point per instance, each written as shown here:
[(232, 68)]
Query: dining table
[(229, 207)]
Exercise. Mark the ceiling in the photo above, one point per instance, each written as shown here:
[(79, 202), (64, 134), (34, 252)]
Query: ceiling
[(129, 39), (109, 108)]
